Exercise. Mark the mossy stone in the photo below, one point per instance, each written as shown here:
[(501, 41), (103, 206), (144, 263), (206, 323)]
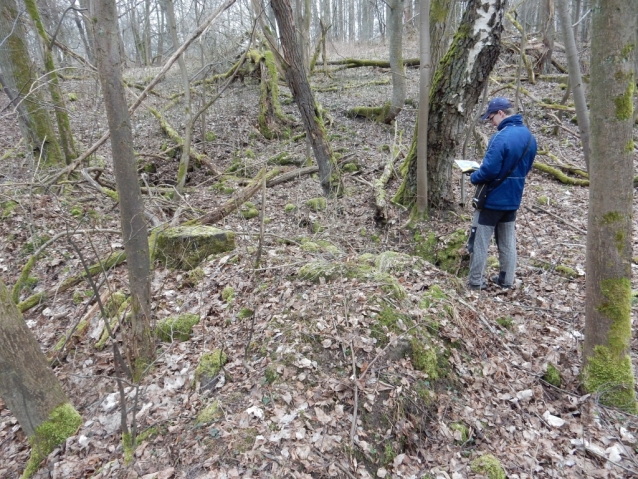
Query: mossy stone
[(176, 327), (185, 247), (316, 204), (245, 313), (209, 366), (210, 136), (489, 466), (350, 167), (462, 429), (289, 208), (447, 252)]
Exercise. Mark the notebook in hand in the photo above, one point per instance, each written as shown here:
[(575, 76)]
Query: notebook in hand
[(467, 165)]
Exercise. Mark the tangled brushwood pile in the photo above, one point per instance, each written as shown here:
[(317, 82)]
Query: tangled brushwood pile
[(262, 369)]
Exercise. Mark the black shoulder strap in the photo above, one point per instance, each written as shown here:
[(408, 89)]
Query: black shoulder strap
[(496, 183)]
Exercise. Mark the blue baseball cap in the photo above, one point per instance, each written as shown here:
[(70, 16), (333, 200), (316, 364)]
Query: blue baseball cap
[(498, 103)]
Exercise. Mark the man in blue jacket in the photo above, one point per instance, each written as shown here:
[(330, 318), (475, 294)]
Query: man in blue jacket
[(513, 145)]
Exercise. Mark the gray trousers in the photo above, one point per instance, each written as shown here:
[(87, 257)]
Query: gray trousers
[(501, 224)]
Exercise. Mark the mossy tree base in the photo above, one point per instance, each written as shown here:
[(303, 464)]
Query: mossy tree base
[(62, 423)]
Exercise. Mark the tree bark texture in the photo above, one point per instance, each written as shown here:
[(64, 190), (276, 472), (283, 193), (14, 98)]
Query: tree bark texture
[(28, 385), (439, 16), (575, 77), (18, 71), (298, 81), (607, 368), (456, 87), (140, 345)]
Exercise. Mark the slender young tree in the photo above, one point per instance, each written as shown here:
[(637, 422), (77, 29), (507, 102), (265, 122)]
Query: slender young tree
[(395, 26), (188, 113), (18, 72), (607, 369), (29, 388), (310, 114), (140, 345), (575, 78), (425, 75)]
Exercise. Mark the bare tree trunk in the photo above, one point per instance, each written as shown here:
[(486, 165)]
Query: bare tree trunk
[(18, 71), (439, 19), (140, 344), (310, 114), (395, 26), (188, 113), (456, 87), (29, 388), (62, 117), (548, 35), (607, 368), (425, 75), (575, 78)]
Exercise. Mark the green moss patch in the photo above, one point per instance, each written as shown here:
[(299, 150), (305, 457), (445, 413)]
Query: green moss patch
[(176, 327), (447, 252), (316, 204), (611, 378), (210, 364), (489, 466), (62, 423), (319, 246), (248, 211), (228, 293), (185, 247), (112, 305), (210, 413), (552, 376)]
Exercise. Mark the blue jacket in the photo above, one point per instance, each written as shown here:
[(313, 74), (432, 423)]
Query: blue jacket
[(503, 150)]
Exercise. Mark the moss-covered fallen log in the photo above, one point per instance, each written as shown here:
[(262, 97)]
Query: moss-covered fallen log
[(559, 175), (374, 113), (112, 260), (31, 262), (354, 63)]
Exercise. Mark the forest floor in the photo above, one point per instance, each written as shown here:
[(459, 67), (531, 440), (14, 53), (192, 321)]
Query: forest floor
[(442, 375)]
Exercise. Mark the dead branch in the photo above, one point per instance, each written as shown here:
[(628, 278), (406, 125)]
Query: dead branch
[(237, 200), (173, 135), (380, 194), (298, 173)]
